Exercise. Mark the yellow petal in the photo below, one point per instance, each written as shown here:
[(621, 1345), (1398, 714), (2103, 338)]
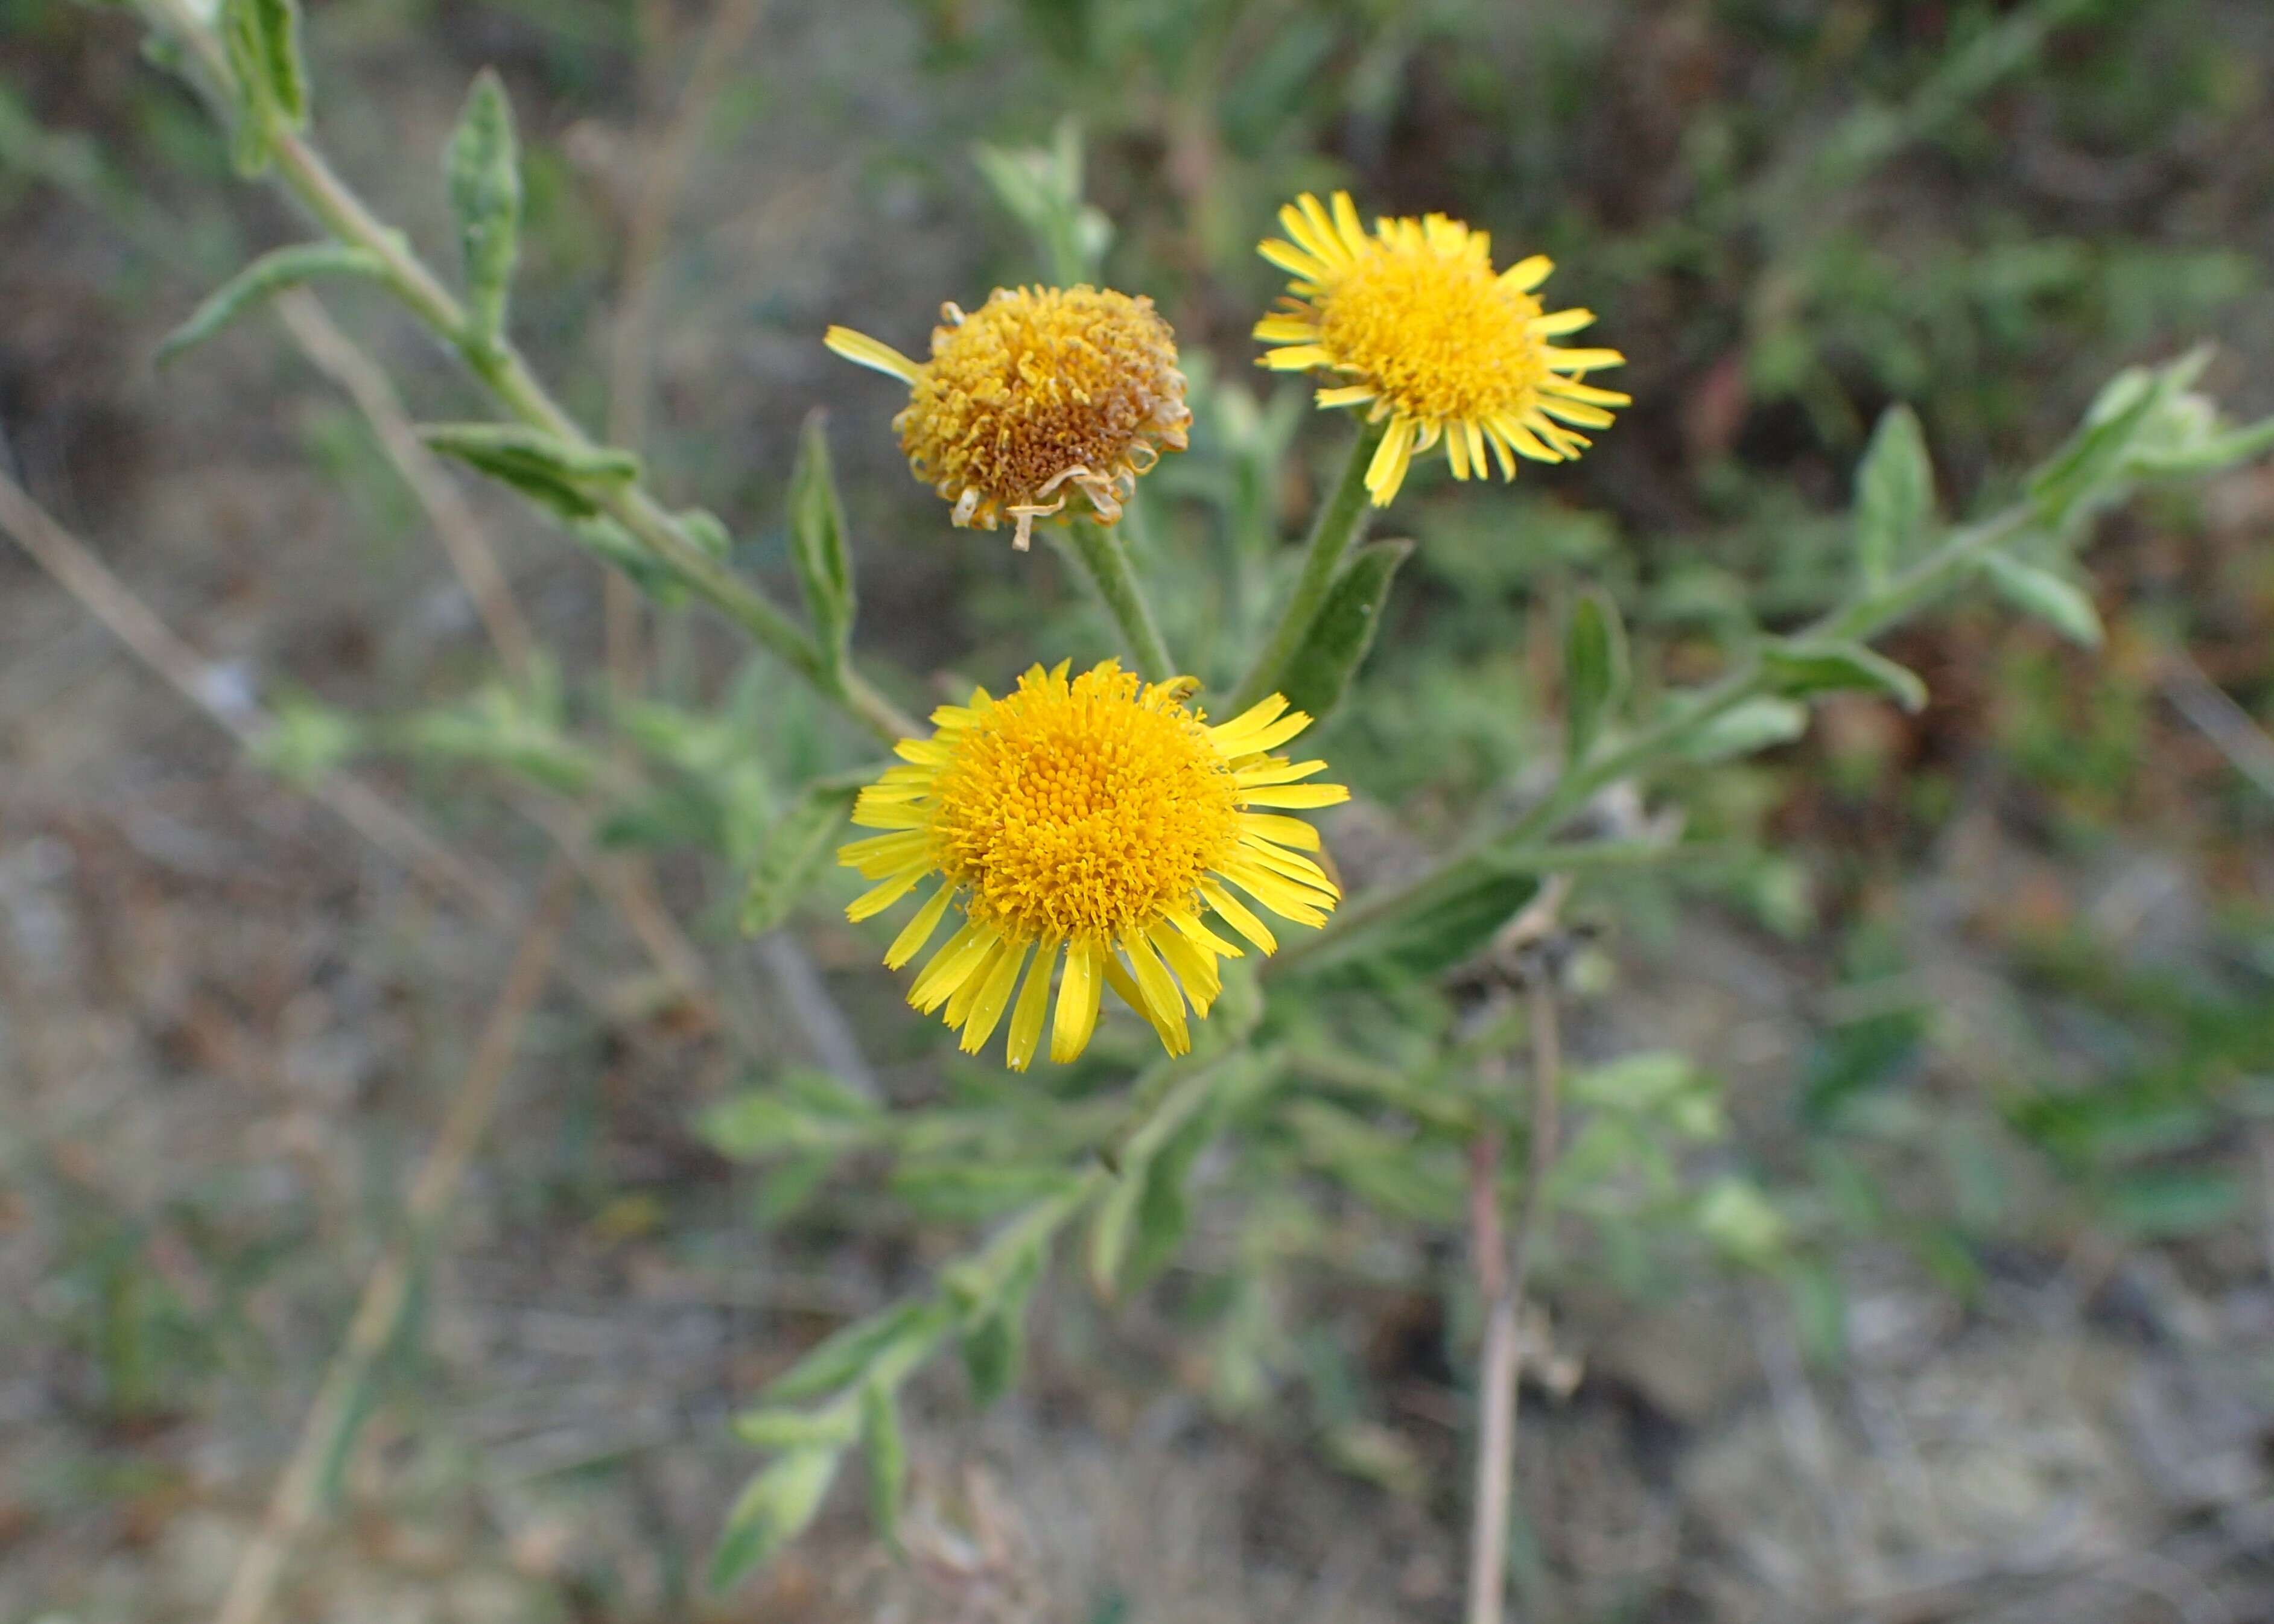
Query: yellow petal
[(1292, 260), (1457, 453), (1346, 222), (1525, 274), (1572, 389), (1189, 923), (1386, 474), (1033, 1003), (961, 1002), (1584, 360), (1296, 358), (877, 898), (1562, 321), (1280, 830), (1298, 796), (1193, 966), (918, 930), (1571, 411), (1345, 394), (1285, 330), (863, 351), (952, 965), (1163, 1004), (1078, 994), (994, 998), (1281, 895), (1278, 770), (1236, 914)]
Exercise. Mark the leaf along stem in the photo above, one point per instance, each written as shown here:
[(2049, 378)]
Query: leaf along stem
[(1338, 527), (1871, 611), (501, 365)]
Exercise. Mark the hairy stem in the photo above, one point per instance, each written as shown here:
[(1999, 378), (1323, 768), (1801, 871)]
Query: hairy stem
[(1337, 529), (1105, 561), (502, 367), (1866, 615)]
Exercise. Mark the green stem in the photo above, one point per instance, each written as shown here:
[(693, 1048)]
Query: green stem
[(1339, 525), (1106, 562), (500, 366), (1863, 617)]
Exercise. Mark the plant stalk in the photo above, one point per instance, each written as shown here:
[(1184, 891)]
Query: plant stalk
[(502, 367), (1863, 617), (1337, 530), (1105, 560)]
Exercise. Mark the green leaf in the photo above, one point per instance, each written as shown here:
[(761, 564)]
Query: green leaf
[(2046, 596), (775, 1429), (1320, 673), (1800, 670), (2169, 1201), (796, 851), (817, 527), (905, 1329), (888, 1460), (2209, 451), (553, 472), (262, 40), (307, 741), (2089, 472), (775, 1508), (1164, 1207), (1895, 496), (263, 280), (965, 1190), (1738, 1220), (994, 1335), (483, 172), (1756, 725), (1594, 672)]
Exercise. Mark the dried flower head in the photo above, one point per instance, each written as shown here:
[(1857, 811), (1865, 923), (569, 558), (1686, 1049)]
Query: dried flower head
[(1097, 819), (1040, 396), (1420, 329)]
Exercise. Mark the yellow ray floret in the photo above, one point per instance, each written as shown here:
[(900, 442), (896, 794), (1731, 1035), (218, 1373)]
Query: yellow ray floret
[(1040, 399), (1087, 826), (1411, 322)]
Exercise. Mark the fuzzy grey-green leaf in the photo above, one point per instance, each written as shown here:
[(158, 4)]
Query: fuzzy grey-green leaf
[(1895, 496), (795, 852), (262, 41), (818, 541), (1801, 669), (780, 1428), (263, 280), (483, 176), (2053, 598), (1320, 673), (563, 477), (850, 1354), (1756, 725), (1594, 672), (887, 1449), (775, 1507)]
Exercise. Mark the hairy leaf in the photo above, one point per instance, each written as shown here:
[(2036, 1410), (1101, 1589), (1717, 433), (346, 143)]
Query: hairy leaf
[(1594, 672), (557, 475), (796, 851), (2053, 598), (817, 526), (887, 1449), (483, 172), (1320, 673), (852, 1353), (1895, 496), (263, 280), (774, 1507), (1802, 669)]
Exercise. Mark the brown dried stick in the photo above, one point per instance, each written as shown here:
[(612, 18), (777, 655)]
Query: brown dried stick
[(78, 572), (252, 1588), (335, 354)]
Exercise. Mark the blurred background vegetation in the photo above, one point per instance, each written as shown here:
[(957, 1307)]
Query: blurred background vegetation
[(1985, 995)]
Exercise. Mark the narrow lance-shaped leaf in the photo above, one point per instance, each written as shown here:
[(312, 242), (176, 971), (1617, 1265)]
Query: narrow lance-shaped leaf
[(775, 1508), (1594, 672), (2055, 599), (262, 40), (1340, 637), (2089, 471), (853, 1351), (1756, 725), (1800, 669), (567, 479), (1164, 1207), (887, 1450), (994, 1345), (263, 280), (831, 1427), (483, 175), (817, 524), (1895, 496), (796, 850)]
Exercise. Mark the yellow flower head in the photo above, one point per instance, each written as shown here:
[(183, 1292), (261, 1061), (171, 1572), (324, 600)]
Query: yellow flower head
[(1419, 327), (1042, 394), (1098, 820)]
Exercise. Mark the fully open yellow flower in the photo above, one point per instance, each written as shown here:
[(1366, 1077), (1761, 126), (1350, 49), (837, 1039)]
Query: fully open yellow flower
[(1040, 395), (1094, 820), (1422, 330)]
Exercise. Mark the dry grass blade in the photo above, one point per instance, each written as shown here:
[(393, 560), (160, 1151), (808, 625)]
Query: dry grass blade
[(323, 1435)]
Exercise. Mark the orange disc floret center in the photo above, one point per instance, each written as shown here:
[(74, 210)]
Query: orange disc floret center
[(1436, 333), (1043, 392), (1083, 809)]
